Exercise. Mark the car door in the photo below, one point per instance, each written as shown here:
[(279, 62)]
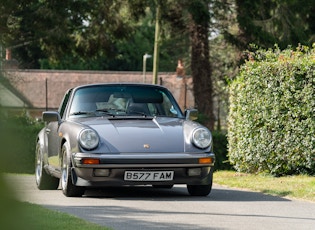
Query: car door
[(52, 145), (53, 137)]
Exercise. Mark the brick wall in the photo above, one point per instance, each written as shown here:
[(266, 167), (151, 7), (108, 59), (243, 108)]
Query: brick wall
[(44, 89)]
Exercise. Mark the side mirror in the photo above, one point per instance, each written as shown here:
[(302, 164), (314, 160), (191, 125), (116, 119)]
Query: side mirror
[(191, 114), (50, 116)]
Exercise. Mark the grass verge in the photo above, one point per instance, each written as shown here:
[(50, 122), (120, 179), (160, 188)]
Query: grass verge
[(36, 217), (296, 187), (16, 215)]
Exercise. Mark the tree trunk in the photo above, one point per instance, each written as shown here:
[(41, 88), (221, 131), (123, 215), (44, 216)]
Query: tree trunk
[(201, 71)]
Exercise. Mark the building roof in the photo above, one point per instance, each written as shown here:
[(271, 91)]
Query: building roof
[(10, 97)]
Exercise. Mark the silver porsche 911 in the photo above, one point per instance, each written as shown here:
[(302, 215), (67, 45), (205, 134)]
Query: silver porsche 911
[(123, 134)]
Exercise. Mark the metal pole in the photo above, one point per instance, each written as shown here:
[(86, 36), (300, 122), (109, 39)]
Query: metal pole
[(46, 92), (156, 43), (144, 67), (1, 59), (145, 56), (185, 92)]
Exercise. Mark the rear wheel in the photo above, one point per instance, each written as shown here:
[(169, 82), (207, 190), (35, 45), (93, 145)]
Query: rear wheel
[(43, 180), (68, 188)]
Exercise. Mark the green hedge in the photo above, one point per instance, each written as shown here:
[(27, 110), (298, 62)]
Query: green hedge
[(17, 139), (271, 119), (220, 150)]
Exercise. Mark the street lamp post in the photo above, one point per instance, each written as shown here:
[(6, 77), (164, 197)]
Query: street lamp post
[(145, 57)]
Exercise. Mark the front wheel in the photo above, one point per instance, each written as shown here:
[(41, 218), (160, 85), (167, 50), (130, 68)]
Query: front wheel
[(68, 188), (43, 180), (199, 190)]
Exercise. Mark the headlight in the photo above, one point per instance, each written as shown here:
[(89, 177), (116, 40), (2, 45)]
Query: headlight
[(201, 138), (88, 139)]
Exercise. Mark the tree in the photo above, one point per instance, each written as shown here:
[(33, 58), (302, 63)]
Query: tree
[(95, 34), (32, 27), (198, 19), (111, 35), (53, 29), (270, 22), (200, 63)]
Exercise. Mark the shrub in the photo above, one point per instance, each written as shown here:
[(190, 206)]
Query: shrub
[(271, 119), (220, 150), (18, 136)]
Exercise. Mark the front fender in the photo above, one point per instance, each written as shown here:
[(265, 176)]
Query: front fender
[(68, 132), (42, 141)]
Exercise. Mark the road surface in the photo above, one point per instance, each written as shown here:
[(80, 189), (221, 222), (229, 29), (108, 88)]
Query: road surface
[(134, 208)]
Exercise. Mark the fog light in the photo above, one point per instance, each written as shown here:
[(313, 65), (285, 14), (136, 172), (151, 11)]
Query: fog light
[(90, 161), (194, 172), (101, 172)]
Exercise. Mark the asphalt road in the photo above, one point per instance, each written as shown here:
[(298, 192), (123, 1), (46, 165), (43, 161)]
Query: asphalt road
[(130, 208)]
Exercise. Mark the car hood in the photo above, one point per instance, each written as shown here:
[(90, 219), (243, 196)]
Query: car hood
[(138, 135)]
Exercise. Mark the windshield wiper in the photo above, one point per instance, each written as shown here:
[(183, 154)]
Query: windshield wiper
[(112, 111), (82, 113), (137, 113)]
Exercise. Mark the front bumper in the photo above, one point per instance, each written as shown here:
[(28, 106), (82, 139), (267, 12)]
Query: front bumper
[(83, 172)]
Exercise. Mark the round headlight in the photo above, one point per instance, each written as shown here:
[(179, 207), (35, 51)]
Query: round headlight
[(88, 139), (202, 138)]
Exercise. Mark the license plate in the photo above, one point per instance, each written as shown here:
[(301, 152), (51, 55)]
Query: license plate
[(149, 176)]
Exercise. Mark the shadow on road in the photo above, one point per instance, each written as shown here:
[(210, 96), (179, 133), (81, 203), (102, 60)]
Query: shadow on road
[(178, 193), (26, 183), (125, 216), (145, 207)]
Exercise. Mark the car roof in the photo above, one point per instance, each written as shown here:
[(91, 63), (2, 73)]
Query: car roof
[(120, 84)]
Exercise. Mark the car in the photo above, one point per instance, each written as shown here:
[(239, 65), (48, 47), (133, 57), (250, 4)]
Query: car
[(122, 134)]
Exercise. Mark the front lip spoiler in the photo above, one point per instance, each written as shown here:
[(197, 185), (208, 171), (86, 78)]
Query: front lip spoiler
[(177, 160), (143, 165)]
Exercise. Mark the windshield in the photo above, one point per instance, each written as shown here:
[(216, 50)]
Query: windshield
[(123, 100)]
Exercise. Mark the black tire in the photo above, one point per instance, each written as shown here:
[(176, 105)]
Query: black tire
[(44, 181), (199, 190), (68, 188)]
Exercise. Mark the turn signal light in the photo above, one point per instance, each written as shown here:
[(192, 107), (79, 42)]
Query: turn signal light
[(207, 160), (90, 161)]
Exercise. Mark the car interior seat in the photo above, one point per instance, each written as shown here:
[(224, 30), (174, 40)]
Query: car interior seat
[(138, 108)]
